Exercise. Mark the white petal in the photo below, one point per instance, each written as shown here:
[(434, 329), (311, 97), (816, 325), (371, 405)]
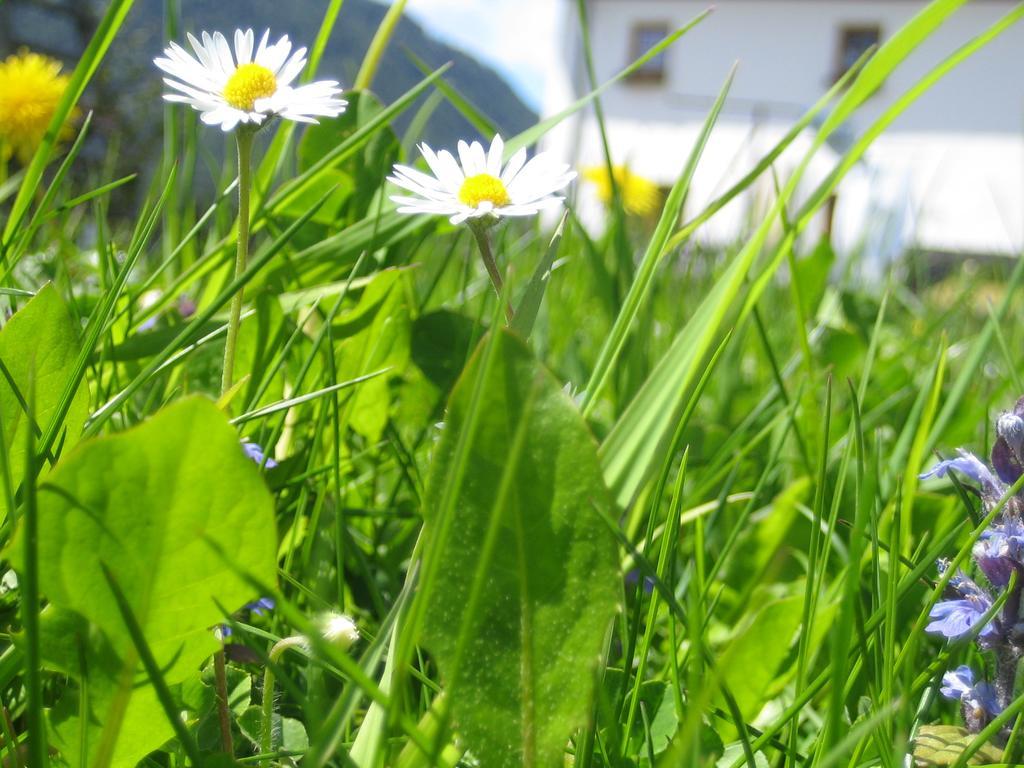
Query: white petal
[(466, 158), (444, 167), (476, 151), (223, 51), (195, 93), (515, 165), (541, 176), (262, 46), (243, 46), (291, 68), (275, 55), (420, 178), (204, 51), (494, 156)]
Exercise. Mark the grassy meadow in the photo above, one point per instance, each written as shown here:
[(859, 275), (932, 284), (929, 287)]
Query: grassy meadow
[(664, 511)]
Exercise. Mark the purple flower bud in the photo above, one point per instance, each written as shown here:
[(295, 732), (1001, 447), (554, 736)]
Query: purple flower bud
[(186, 306), (633, 578), (261, 606), (1010, 427), (999, 551), (1005, 462), (255, 452)]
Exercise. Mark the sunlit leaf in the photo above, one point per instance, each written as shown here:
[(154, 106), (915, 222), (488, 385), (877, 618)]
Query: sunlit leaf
[(526, 579)]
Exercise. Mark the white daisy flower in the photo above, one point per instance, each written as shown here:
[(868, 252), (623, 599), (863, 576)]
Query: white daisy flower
[(246, 87), (479, 186)]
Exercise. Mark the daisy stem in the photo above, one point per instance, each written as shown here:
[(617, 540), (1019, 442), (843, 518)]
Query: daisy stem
[(244, 139), (484, 243)]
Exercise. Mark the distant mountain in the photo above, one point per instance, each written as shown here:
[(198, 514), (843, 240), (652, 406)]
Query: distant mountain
[(127, 89)]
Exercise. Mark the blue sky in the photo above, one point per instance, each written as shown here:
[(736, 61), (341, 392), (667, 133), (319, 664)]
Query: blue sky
[(516, 37)]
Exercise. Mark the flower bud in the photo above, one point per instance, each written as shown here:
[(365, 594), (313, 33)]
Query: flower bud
[(338, 629), (1010, 427)]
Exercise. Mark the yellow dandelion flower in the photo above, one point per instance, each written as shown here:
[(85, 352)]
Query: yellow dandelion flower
[(30, 88), (640, 195)]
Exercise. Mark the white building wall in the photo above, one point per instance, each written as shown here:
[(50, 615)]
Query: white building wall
[(951, 168)]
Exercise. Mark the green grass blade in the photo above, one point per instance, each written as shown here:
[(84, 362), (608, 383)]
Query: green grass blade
[(653, 256), (374, 54), (533, 294)]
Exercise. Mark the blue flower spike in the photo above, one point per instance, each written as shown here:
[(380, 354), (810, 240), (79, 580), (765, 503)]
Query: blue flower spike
[(999, 556)]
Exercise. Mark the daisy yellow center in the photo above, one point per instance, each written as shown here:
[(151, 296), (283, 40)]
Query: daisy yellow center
[(483, 188), (249, 83), (30, 88)]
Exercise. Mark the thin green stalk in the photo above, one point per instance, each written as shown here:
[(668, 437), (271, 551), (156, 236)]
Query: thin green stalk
[(267, 736), (479, 231), (371, 62), (223, 711), (30, 608), (244, 138)]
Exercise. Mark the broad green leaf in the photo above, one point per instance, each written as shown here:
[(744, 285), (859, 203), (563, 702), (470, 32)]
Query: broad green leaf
[(765, 542), (710, 748), (289, 734), (525, 580), (752, 659), (71, 645), (38, 347), (178, 513), (942, 745), (441, 342), (379, 339)]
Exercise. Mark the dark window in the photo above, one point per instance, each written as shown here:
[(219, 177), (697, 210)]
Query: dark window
[(645, 37), (854, 42)]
